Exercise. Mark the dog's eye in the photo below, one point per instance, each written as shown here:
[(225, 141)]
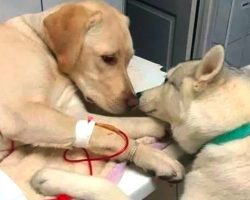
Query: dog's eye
[(109, 59)]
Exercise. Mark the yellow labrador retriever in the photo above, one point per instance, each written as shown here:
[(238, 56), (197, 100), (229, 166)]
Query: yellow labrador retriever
[(44, 59), (208, 106)]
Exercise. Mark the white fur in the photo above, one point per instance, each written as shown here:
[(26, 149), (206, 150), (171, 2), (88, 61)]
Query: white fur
[(212, 107)]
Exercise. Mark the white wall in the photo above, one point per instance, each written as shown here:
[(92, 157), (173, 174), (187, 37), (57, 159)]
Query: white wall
[(117, 3), (12, 8), (49, 3)]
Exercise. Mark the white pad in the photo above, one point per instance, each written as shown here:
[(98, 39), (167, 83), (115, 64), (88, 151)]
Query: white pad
[(144, 74), (83, 131), (8, 189)]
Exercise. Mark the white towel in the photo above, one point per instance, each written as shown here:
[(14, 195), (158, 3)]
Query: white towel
[(8, 189), (144, 74)]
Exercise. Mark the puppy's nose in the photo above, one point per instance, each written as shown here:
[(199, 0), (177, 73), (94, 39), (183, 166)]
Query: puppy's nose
[(138, 94), (132, 100)]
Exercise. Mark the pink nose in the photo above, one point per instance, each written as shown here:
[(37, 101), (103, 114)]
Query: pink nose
[(132, 100)]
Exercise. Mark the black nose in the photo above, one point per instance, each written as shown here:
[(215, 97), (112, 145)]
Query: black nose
[(138, 94)]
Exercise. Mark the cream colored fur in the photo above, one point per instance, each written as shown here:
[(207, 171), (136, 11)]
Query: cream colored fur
[(202, 99), (46, 59)]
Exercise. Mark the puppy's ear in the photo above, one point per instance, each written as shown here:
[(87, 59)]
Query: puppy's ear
[(211, 65), (65, 30)]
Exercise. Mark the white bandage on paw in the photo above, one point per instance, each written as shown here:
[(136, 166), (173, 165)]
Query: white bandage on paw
[(83, 131)]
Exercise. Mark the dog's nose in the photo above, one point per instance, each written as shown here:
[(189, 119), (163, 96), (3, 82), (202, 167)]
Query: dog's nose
[(132, 100), (138, 94)]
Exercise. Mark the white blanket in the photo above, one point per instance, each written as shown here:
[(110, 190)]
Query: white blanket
[(145, 74), (8, 189)]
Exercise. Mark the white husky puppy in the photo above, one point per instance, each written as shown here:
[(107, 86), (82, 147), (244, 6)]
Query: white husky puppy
[(208, 107)]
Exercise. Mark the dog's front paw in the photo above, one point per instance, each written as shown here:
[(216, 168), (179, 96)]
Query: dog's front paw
[(47, 182), (51, 182), (158, 164)]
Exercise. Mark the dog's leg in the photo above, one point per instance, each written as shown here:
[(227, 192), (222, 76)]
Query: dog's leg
[(135, 127), (146, 157), (155, 161), (49, 182), (159, 164), (37, 124)]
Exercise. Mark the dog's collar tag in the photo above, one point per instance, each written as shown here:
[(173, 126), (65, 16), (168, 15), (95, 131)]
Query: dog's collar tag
[(83, 132), (236, 134)]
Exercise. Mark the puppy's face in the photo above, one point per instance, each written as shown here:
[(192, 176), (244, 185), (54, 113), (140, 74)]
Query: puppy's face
[(168, 101), (93, 47), (193, 99)]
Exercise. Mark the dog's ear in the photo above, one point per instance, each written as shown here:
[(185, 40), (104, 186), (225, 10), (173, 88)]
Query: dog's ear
[(65, 31), (209, 68)]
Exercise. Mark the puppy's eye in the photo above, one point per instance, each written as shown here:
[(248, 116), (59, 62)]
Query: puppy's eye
[(174, 85), (109, 59), (166, 80)]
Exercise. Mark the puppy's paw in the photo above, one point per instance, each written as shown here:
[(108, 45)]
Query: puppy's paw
[(147, 140), (158, 164)]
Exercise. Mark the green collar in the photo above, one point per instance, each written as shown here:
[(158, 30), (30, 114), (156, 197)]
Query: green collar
[(238, 133)]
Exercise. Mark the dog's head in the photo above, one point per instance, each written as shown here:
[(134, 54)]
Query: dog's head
[(200, 100), (93, 46)]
